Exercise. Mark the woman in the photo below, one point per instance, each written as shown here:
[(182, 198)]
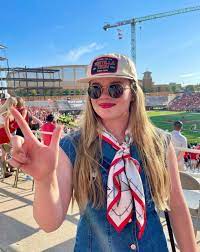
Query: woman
[(49, 126), (114, 167), (24, 112), (6, 128)]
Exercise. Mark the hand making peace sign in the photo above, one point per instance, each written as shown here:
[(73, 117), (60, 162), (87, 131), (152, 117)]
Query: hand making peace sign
[(33, 157)]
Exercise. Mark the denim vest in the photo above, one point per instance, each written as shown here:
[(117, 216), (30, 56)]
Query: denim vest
[(96, 234)]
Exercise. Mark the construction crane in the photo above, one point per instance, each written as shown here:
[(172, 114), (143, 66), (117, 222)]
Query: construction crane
[(134, 21)]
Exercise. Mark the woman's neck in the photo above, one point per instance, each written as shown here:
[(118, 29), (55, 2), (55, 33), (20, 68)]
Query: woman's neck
[(117, 128)]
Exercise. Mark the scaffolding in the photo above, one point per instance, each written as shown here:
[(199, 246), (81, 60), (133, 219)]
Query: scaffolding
[(3, 65), (32, 81), (26, 82)]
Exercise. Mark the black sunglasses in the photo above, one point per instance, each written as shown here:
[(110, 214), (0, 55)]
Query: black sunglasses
[(115, 90)]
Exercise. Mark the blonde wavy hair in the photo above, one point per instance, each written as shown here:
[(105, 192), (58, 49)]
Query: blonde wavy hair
[(20, 102), (149, 141), (5, 108)]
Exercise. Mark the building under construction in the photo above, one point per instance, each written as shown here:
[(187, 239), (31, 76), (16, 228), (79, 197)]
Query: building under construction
[(40, 82), (31, 81)]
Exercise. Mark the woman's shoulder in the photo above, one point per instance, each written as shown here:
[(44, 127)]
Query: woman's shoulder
[(70, 140), (72, 136), (69, 144)]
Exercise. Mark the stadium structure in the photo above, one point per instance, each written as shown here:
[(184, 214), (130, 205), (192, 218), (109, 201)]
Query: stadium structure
[(57, 87)]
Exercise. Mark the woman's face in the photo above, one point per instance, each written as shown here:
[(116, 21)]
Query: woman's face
[(108, 108)]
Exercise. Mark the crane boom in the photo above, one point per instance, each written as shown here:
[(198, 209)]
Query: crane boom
[(149, 17), (134, 21), (125, 22), (166, 14)]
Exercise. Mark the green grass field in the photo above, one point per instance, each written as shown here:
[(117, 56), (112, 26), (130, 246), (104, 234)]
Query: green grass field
[(165, 119)]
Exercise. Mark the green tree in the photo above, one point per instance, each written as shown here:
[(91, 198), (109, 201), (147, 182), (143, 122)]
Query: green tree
[(78, 92), (66, 92), (33, 92), (173, 88), (190, 88)]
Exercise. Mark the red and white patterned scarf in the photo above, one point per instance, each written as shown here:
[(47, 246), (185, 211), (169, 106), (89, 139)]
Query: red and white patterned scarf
[(124, 187)]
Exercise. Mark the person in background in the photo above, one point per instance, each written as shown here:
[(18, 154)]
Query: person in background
[(198, 158), (118, 167), (6, 129), (35, 123), (179, 141), (24, 112), (48, 126), (195, 157)]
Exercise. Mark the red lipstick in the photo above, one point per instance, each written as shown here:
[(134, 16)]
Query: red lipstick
[(106, 105)]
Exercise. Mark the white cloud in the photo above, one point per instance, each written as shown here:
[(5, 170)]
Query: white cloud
[(75, 54), (190, 75)]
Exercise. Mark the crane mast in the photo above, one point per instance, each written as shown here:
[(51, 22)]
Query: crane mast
[(134, 21)]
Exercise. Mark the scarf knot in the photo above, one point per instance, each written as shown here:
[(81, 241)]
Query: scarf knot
[(125, 190)]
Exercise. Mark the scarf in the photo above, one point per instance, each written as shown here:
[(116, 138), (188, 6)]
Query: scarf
[(124, 187)]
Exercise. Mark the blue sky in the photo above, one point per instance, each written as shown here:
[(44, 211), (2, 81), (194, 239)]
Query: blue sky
[(45, 33)]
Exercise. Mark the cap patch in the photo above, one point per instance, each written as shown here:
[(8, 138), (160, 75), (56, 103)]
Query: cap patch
[(104, 65)]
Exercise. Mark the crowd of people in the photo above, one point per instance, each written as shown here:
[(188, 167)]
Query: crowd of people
[(186, 102), (192, 160), (41, 112)]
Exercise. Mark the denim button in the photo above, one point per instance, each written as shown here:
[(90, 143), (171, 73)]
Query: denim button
[(133, 246)]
